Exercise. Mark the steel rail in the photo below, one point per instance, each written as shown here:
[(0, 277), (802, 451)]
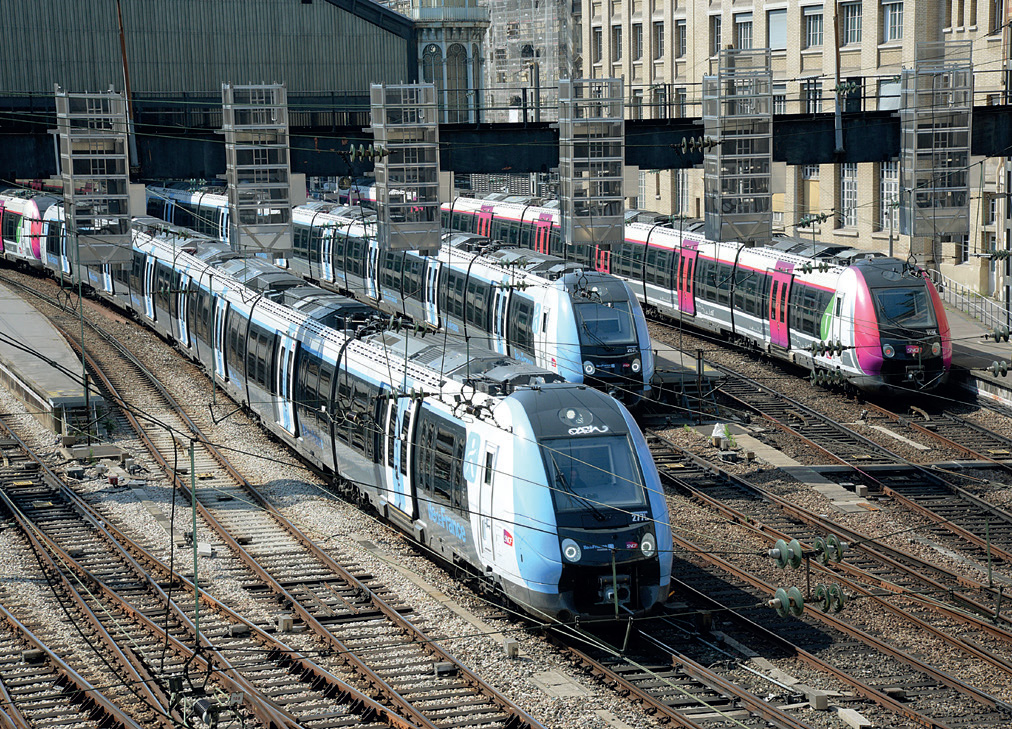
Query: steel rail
[(404, 707), (888, 491), (882, 552), (100, 703), (870, 640)]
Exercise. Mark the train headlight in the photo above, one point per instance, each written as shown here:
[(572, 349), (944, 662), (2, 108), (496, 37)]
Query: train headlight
[(589, 368), (571, 550), (936, 348), (648, 545), (888, 350), (636, 365)]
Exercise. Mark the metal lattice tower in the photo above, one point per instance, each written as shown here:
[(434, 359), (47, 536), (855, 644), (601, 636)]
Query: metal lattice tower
[(738, 115), (96, 174), (405, 127), (591, 154), (935, 119), (530, 44), (255, 124)]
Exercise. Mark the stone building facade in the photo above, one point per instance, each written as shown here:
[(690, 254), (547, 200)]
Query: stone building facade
[(823, 53)]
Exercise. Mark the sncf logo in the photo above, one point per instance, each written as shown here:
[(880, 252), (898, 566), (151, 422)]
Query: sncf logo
[(507, 538), (588, 429)]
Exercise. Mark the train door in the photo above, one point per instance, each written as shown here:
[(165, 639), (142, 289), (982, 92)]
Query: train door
[(542, 232), (107, 278), (327, 255), (372, 270), (499, 308), (485, 221), (182, 301), (169, 212), (149, 286), (220, 323), (602, 258), (487, 474), (399, 414), (284, 380), (1, 225), (780, 289), (223, 223), (431, 293), (687, 277), (542, 343)]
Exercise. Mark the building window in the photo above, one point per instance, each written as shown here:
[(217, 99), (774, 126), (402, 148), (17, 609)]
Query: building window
[(658, 41), (813, 26), (636, 112), (811, 96), (641, 198), (680, 105), (851, 23), (888, 196), (995, 21), (681, 192), (810, 172), (963, 246), (682, 39), (714, 35), (776, 30), (779, 98), (892, 21), (660, 101), (616, 43), (992, 210), (598, 44), (848, 195), (637, 41), (743, 31)]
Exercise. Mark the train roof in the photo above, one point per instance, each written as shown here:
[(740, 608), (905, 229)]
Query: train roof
[(484, 369)]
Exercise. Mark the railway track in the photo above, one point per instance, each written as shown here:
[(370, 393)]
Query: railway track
[(361, 623), (39, 690), (984, 529), (149, 613), (871, 573)]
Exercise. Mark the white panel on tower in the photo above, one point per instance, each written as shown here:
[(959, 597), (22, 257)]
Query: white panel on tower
[(255, 125), (96, 174), (591, 158), (406, 135)]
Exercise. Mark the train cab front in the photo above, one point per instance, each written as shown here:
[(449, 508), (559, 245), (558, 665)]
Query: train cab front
[(612, 529), (615, 353), (913, 351)]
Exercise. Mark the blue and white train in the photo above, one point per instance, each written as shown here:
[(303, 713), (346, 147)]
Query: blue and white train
[(563, 316), (544, 490)]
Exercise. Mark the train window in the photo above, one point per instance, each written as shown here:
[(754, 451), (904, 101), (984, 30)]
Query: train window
[(340, 243), (807, 307), (356, 256), (405, 437), (156, 207), (442, 463), (635, 262), (555, 246), (10, 225), (650, 270), (455, 294), (724, 273), (521, 333), (307, 388), (478, 295), (315, 242), (54, 236), (746, 291), (412, 278), (235, 353), (260, 356), (706, 279), (300, 241)]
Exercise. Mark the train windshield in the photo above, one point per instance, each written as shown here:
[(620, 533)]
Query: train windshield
[(605, 325), (904, 307), (593, 473)]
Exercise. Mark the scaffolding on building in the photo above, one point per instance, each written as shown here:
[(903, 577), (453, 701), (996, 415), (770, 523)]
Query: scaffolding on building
[(530, 45)]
